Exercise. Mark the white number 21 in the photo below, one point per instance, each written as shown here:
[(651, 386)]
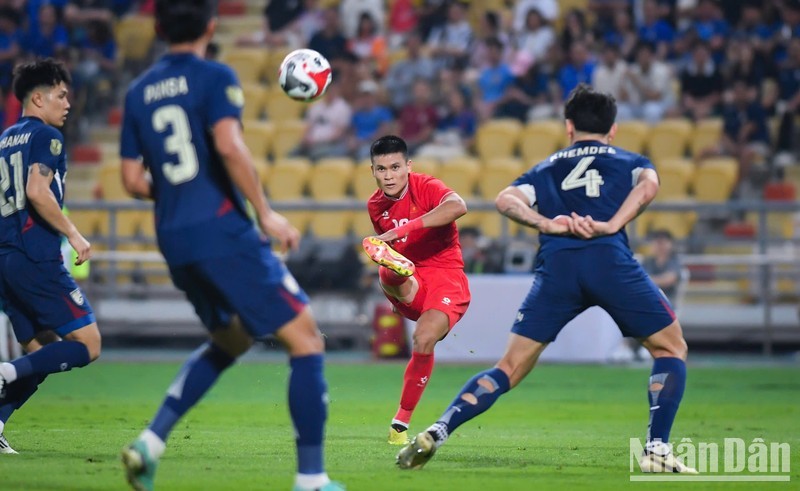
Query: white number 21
[(582, 178)]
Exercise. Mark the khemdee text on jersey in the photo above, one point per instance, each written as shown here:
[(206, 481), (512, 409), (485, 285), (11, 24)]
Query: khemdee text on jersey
[(580, 152)]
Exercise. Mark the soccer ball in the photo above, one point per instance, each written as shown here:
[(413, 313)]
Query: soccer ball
[(304, 75)]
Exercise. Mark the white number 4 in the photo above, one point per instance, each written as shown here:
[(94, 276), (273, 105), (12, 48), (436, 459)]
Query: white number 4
[(582, 178)]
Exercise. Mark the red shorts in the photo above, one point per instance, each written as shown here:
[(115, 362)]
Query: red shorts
[(446, 290)]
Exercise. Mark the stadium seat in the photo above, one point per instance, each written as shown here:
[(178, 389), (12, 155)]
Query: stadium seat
[(331, 224), (678, 223), (274, 59), (425, 165), (362, 225), (706, 134), (539, 139), (279, 106), (715, 179), (675, 176), (299, 219), (111, 183), (288, 135), (248, 63), (363, 182), (135, 35), (460, 175), (498, 138), (255, 96), (668, 139), (497, 174), (88, 222), (257, 136), (288, 179), (631, 135), (491, 224), (330, 179)]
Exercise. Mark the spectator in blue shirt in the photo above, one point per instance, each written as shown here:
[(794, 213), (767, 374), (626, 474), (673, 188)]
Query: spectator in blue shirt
[(578, 71), (47, 39), (97, 69), (745, 133), (493, 80), (9, 45), (789, 89), (370, 119), (655, 30)]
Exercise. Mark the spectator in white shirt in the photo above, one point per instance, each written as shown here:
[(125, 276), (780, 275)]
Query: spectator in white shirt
[(449, 44), (650, 85), (609, 77), (537, 37), (351, 10), (548, 9), (327, 123)]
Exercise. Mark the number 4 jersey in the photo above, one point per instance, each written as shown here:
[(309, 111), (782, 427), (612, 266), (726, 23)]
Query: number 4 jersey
[(30, 141), (589, 178), (170, 112)]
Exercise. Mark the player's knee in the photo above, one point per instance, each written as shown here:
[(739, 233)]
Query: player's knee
[(425, 341)]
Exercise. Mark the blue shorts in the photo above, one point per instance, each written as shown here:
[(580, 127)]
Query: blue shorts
[(252, 284), (41, 296), (569, 281)]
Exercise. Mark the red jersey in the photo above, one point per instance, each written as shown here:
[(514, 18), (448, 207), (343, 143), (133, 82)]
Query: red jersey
[(437, 247)]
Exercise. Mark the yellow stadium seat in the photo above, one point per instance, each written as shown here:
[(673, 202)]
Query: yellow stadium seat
[(330, 178), (460, 175), (135, 35), (707, 134), (299, 219), (288, 135), (255, 96), (362, 225), (715, 179), (288, 179), (675, 176), (274, 59), (129, 223), (88, 222), (497, 174), (631, 135), (258, 136), (331, 224), (668, 139), (491, 224), (280, 106), (498, 138), (248, 63), (678, 223), (539, 140), (426, 166), (111, 183), (363, 181)]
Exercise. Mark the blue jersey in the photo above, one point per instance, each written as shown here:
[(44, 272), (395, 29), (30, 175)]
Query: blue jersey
[(27, 143), (170, 111), (589, 178)]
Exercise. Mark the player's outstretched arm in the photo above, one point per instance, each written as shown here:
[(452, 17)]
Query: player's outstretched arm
[(238, 162), (448, 211), (136, 179), (640, 196), (513, 203), (46, 205)]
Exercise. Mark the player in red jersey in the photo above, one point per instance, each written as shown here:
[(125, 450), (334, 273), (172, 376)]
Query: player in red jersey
[(422, 272)]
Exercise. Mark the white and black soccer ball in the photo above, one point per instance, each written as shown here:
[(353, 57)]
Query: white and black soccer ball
[(304, 75)]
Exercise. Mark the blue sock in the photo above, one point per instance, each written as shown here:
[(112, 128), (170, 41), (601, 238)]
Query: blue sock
[(667, 381), (475, 397), (18, 394), (55, 357), (308, 405), (197, 375)]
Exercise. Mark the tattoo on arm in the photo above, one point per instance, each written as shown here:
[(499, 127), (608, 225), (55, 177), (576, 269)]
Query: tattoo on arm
[(43, 170), (516, 212)]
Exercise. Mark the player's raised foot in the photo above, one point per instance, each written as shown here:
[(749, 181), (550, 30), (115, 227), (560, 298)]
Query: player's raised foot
[(5, 448), (658, 457), (331, 486), (398, 435), (381, 253), (417, 453), (140, 467)]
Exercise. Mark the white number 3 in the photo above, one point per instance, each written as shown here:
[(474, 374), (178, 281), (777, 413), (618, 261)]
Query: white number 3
[(582, 178), (178, 143)]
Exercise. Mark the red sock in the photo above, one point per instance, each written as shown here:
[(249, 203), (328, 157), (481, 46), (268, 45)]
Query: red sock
[(390, 278), (418, 372)]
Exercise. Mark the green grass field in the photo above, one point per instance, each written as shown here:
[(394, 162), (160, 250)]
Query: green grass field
[(564, 428)]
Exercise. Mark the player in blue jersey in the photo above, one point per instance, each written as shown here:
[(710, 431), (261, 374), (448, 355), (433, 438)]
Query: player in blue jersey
[(585, 195), (36, 291), (182, 146)]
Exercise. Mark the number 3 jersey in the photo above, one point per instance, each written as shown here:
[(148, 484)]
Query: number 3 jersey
[(589, 178), (30, 141), (437, 246), (170, 112)]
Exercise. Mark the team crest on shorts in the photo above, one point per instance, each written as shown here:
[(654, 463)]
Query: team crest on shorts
[(77, 297), (55, 146)]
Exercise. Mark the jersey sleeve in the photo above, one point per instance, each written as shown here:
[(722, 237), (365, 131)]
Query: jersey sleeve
[(129, 147), (226, 99), (47, 147), (433, 192), (525, 184), (638, 166)]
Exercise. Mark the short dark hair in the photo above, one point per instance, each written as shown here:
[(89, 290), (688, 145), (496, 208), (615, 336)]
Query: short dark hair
[(388, 144), (43, 72), (590, 111), (661, 233), (182, 21)]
